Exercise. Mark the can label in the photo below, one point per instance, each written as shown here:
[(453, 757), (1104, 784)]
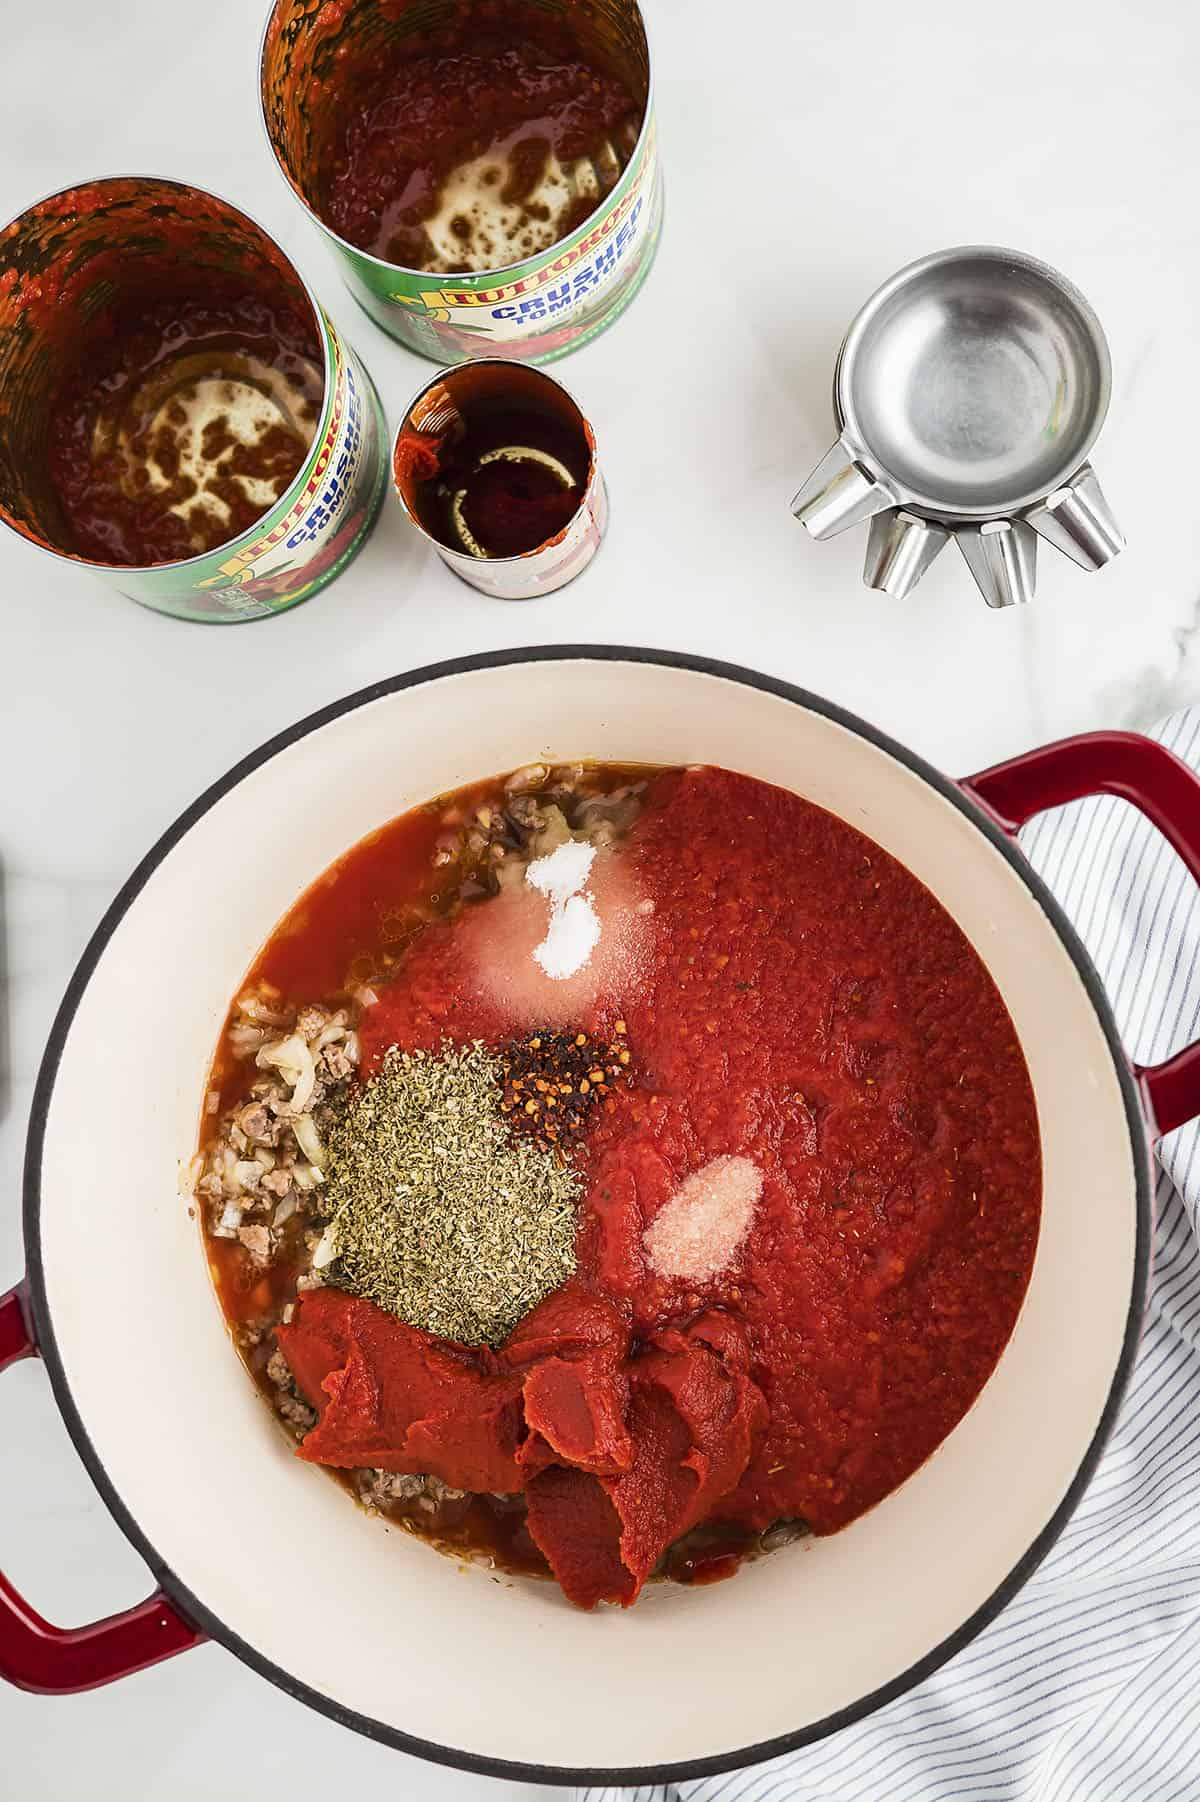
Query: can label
[(539, 309), (312, 531)]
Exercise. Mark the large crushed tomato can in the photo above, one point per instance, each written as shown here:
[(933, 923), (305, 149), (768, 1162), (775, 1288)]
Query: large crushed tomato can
[(62, 262), (533, 311)]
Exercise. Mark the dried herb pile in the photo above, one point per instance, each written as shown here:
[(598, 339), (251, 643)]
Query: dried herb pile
[(438, 1211)]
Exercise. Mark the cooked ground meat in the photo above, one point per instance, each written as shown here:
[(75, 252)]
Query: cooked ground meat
[(262, 1167)]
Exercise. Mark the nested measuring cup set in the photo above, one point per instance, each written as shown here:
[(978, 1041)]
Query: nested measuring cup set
[(968, 392)]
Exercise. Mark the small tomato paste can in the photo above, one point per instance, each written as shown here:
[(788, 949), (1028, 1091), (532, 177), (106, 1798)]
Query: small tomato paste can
[(532, 306), (205, 429), (496, 467)]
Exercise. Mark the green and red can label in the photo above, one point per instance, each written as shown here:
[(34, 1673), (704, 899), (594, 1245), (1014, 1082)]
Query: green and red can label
[(311, 532), (536, 310)]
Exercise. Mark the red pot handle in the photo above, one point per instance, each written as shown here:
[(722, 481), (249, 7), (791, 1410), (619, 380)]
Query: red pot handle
[(62, 1660), (1160, 786)]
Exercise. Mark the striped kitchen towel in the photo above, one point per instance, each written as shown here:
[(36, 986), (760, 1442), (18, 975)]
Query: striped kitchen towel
[(1087, 1687)]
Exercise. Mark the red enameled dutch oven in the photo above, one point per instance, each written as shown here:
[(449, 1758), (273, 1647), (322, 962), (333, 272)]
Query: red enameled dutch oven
[(506, 1678)]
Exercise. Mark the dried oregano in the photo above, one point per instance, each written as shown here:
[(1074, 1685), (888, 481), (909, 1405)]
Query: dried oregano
[(437, 1210)]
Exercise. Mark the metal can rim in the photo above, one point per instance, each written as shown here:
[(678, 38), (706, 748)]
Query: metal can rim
[(320, 319), (450, 275)]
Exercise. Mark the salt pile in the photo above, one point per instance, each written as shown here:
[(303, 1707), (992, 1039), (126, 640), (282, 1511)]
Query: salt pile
[(698, 1232), (548, 956)]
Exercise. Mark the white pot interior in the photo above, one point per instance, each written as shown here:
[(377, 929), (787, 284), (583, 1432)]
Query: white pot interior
[(372, 1619)]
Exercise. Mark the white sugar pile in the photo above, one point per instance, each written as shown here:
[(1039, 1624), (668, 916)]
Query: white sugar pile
[(535, 977), (697, 1233), (574, 928)]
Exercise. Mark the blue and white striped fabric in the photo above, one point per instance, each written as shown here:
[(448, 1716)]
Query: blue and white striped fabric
[(1087, 1687)]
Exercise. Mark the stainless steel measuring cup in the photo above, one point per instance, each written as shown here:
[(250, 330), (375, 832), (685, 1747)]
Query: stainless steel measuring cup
[(968, 393)]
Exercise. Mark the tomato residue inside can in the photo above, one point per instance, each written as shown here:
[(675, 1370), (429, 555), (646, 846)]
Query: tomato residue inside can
[(184, 422), (477, 156), (503, 481)]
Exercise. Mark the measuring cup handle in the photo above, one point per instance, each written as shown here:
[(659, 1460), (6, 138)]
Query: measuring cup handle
[(1077, 520), (839, 494)]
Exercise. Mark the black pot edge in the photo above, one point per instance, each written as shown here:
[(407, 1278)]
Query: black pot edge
[(216, 1629)]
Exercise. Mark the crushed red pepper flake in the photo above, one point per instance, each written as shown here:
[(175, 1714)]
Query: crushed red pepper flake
[(553, 1081)]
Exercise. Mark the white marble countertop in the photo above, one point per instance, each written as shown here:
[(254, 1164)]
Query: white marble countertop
[(809, 151)]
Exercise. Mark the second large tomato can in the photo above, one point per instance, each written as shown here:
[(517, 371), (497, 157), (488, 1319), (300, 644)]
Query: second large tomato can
[(534, 310)]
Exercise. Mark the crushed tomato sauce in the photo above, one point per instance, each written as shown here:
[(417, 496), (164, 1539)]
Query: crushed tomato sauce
[(806, 1004)]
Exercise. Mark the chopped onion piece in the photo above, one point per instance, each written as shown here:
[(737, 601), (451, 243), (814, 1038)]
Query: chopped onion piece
[(530, 775), (325, 1252), (254, 1009), (306, 1082), (309, 1140), (294, 1061), (284, 1054), (285, 1210)]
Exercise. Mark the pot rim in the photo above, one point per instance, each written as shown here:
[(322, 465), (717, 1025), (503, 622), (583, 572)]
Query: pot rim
[(215, 1628)]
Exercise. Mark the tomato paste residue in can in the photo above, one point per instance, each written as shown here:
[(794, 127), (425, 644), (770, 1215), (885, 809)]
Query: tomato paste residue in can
[(486, 169), (177, 412), (496, 466)]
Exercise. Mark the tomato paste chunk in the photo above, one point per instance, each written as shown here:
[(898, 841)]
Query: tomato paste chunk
[(620, 1452), (391, 1397)]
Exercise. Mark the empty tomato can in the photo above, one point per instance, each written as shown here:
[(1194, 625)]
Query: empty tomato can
[(495, 465), (177, 413), (485, 170)]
